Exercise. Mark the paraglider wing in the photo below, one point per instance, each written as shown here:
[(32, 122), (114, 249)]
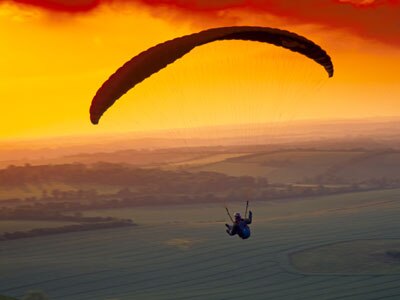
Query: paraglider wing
[(158, 57)]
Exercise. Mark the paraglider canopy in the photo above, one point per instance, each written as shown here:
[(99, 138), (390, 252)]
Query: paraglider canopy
[(158, 57)]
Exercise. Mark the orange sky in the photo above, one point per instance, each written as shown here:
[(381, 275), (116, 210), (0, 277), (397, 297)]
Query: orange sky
[(55, 55)]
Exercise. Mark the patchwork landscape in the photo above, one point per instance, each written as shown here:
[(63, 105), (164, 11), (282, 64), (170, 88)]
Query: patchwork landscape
[(325, 225)]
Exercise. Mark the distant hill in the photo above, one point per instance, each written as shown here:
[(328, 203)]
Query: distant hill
[(312, 166), (377, 133), (203, 178), (287, 166)]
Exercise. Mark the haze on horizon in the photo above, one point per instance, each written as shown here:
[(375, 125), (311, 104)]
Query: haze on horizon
[(371, 134)]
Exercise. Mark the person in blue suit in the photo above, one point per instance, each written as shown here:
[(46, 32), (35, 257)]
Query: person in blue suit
[(240, 226)]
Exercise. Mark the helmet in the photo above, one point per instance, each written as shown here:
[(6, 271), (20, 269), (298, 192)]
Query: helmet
[(237, 215)]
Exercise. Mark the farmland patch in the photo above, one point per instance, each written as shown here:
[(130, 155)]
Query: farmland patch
[(380, 257)]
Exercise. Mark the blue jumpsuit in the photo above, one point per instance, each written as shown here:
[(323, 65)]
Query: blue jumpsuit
[(240, 227)]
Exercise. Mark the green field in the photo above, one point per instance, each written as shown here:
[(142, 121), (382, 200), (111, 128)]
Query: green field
[(6, 298), (183, 252), (359, 256)]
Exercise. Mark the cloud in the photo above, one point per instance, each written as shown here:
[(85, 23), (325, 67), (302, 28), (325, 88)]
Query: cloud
[(72, 6), (375, 19)]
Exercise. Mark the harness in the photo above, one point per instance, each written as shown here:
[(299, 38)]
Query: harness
[(244, 230)]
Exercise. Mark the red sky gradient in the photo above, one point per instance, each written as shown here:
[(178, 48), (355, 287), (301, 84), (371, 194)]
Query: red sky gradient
[(376, 19)]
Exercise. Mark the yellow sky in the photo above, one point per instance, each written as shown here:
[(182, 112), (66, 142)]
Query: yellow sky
[(51, 69)]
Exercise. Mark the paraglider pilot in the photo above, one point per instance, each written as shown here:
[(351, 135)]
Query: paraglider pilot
[(240, 226)]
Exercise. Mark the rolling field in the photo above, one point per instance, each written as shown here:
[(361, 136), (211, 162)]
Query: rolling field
[(205, 160), (183, 252), (282, 166), (358, 256), (381, 164), (297, 165), (33, 190)]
